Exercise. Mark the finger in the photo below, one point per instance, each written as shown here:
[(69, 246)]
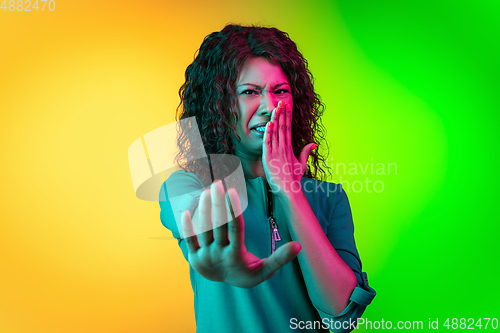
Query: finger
[(276, 125), (187, 229), (236, 225), (288, 132), (219, 214), (266, 143), (204, 229), (283, 255), (282, 127), (274, 119), (304, 154)]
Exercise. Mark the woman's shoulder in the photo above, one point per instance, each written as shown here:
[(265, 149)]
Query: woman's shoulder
[(321, 189), (179, 183)]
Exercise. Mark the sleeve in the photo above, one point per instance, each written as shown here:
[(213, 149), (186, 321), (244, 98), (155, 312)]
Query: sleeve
[(340, 232), (180, 192)]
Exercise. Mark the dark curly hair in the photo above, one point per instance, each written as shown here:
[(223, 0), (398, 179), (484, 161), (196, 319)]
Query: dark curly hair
[(209, 94)]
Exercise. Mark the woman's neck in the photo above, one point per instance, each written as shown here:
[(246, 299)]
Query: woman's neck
[(251, 164)]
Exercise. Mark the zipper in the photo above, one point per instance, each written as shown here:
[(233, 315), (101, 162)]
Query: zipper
[(275, 235)]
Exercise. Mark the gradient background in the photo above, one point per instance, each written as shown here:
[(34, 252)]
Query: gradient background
[(414, 84)]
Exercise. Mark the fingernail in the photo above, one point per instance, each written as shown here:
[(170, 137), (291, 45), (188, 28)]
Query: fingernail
[(287, 107)]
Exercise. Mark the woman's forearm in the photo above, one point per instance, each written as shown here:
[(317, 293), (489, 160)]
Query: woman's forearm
[(329, 280)]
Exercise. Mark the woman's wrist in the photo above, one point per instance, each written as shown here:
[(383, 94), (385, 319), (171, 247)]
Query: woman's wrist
[(291, 197)]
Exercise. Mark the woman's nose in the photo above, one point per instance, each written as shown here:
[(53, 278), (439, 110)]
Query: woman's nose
[(267, 104)]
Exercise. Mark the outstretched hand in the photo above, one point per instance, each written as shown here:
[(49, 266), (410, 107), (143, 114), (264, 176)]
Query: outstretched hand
[(219, 253)]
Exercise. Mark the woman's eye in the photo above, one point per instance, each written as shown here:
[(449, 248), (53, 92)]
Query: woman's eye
[(281, 91), (249, 92)]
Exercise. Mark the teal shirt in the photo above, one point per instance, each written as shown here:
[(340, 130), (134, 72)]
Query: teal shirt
[(281, 303)]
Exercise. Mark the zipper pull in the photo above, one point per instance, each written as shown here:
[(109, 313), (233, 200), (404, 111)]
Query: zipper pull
[(275, 229), (276, 234)]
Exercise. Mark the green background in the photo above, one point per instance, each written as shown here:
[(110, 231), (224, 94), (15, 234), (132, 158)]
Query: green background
[(416, 83)]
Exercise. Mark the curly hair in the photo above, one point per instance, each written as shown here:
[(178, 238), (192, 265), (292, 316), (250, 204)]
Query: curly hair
[(209, 93)]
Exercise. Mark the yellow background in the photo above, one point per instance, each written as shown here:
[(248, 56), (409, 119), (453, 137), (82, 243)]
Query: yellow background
[(80, 253)]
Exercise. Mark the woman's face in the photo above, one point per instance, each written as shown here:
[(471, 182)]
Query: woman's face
[(260, 86)]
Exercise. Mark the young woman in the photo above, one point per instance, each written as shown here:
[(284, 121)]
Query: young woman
[(289, 260)]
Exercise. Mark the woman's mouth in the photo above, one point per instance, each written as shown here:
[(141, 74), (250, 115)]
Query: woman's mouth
[(259, 130)]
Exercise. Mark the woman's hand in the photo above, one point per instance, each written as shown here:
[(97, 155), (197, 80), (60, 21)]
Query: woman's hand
[(219, 253), (283, 170)]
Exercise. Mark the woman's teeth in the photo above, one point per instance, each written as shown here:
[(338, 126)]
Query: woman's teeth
[(260, 129)]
